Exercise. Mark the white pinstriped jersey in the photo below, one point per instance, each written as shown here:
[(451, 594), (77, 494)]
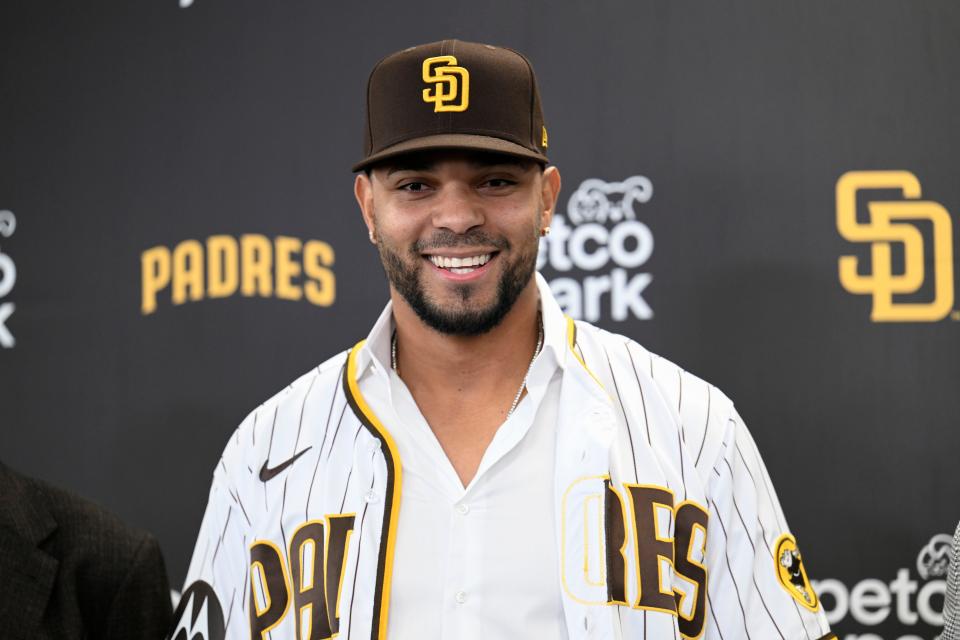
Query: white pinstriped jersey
[(667, 524)]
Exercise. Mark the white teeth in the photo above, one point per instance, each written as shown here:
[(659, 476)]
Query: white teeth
[(460, 263), (461, 270)]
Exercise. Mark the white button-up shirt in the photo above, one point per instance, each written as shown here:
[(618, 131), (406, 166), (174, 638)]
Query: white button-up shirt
[(477, 561)]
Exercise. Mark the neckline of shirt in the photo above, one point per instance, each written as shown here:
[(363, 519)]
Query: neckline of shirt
[(417, 432), (375, 353)]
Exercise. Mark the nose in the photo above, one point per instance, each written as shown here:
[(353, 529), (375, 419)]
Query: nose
[(457, 210)]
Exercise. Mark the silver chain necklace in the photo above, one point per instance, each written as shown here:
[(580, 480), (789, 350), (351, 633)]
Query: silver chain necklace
[(523, 385)]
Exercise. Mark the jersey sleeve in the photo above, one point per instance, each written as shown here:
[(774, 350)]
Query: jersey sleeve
[(757, 580), (213, 600)]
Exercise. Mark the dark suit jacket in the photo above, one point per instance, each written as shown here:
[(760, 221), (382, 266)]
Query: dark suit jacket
[(69, 569)]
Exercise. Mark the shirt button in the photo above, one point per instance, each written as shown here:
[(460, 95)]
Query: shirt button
[(462, 509), (370, 496), (460, 597)]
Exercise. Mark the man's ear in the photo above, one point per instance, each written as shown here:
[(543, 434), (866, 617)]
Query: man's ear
[(363, 192), (549, 194)]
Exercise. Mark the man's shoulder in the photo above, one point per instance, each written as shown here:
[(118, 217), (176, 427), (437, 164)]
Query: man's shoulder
[(699, 409), (251, 440), (622, 350), (80, 521), (327, 373), (97, 555), (79, 528)]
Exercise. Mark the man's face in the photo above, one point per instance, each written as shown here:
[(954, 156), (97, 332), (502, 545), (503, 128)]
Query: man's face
[(458, 232)]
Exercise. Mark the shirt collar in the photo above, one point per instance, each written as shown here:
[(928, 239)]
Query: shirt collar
[(554, 325), (376, 350)]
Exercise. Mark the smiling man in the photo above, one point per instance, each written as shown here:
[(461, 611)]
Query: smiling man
[(482, 466)]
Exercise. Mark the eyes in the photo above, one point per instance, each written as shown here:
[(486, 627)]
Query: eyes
[(500, 182), (412, 187)]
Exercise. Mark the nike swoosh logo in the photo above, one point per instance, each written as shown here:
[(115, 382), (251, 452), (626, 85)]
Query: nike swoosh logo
[(267, 474)]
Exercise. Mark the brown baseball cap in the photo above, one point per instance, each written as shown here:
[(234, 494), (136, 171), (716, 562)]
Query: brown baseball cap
[(453, 95)]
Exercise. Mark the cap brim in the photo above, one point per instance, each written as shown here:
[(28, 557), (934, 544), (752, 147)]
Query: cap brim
[(451, 141)]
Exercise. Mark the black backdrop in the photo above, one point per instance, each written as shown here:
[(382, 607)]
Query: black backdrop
[(130, 128)]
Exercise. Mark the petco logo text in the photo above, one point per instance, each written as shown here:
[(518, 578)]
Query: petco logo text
[(911, 604), (8, 278), (602, 240)]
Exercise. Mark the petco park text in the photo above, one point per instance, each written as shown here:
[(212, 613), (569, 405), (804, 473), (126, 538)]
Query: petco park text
[(910, 603), (601, 229)]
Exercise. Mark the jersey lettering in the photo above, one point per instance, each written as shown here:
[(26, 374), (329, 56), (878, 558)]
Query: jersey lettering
[(616, 545), (691, 568), (652, 552), (269, 595), (652, 510), (317, 564)]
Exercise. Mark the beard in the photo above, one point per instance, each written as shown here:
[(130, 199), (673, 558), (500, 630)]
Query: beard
[(406, 277)]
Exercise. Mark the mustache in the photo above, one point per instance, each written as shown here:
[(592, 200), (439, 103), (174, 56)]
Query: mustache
[(445, 239)]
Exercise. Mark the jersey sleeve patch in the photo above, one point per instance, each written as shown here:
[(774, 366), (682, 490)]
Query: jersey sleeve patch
[(199, 615), (792, 574)]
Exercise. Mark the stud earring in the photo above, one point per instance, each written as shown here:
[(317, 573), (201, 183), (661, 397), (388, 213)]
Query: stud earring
[(545, 231)]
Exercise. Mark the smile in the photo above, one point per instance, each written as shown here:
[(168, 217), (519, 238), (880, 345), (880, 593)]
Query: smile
[(461, 266)]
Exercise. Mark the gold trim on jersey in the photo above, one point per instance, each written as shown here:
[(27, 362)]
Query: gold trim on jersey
[(391, 509), (572, 343), (563, 542)]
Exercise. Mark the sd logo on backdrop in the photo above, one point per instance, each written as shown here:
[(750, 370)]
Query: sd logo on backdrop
[(894, 222)]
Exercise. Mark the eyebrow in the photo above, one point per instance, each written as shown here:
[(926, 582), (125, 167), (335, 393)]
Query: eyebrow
[(414, 166), (475, 164)]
